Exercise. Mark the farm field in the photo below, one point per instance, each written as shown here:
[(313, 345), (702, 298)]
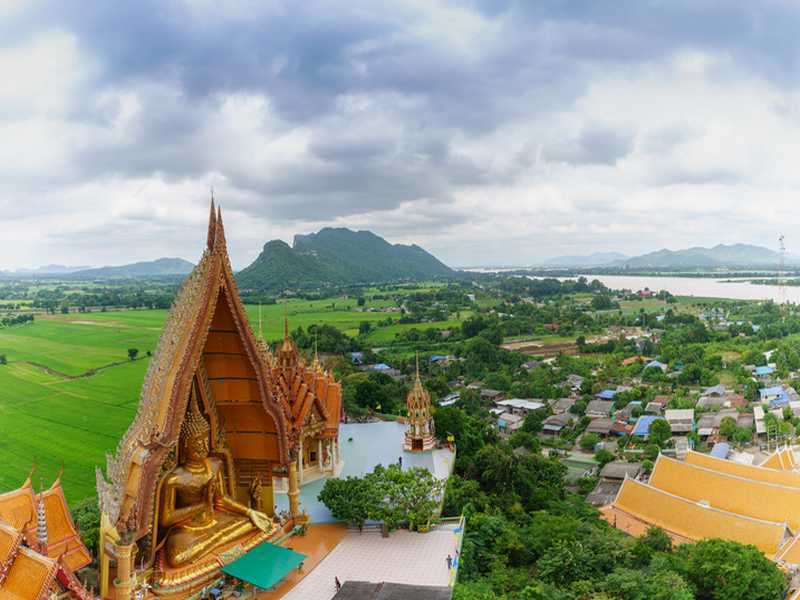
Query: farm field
[(69, 391)]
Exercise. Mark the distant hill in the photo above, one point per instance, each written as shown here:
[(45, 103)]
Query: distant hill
[(734, 255), (51, 270), (596, 259), (337, 257), (153, 268)]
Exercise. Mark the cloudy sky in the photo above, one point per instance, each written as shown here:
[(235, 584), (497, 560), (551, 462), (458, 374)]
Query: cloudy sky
[(489, 132)]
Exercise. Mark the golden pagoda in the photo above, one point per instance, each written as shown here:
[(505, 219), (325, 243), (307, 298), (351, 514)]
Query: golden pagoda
[(420, 431), (222, 422)]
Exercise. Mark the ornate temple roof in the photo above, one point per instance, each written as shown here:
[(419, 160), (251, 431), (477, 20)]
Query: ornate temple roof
[(18, 509), (775, 503), (418, 400), (688, 520), (759, 473), (782, 459), (285, 387)]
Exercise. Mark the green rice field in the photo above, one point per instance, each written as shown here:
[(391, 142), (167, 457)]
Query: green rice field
[(69, 391)]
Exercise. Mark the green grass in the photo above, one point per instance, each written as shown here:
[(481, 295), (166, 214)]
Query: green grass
[(387, 334), (50, 417)]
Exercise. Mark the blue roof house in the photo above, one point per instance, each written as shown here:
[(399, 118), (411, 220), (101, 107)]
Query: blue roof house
[(606, 395), (776, 396), (655, 364), (764, 371), (642, 427)]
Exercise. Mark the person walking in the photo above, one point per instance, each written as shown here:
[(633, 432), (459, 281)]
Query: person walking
[(338, 583), (449, 560)]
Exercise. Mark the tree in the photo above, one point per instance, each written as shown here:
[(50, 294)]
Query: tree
[(3, 359), (133, 353), (589, 441), (406, 496), (361, 301), (728, 427), (364, 327), (352, 499), (660, 432), (603, 457), (725, 570), (86, 516)]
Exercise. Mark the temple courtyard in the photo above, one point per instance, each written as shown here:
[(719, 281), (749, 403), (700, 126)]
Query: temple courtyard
[(368, 556)]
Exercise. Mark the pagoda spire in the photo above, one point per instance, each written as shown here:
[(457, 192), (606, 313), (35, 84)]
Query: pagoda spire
[(212, 223), (285, 323), (41, 521)]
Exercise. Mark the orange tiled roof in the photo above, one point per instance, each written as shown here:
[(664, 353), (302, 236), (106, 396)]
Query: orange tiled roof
[(746, 497), (691, 520), (29, 577), (63, 538), (18, 509), (761, 473), (782, 459)]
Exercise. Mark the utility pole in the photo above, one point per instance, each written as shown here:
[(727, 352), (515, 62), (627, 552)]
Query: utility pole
[(781, 282)]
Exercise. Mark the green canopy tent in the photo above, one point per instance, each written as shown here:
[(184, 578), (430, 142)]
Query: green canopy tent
[(265, 565)]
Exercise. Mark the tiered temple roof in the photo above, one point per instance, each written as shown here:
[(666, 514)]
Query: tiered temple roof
[(257, 401), (686, 520), (759, 473), (747, 497), (18, 509), (782, 459), (38, 543)]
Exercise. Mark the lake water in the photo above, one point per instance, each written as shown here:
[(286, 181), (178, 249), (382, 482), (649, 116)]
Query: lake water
[(699, 286)]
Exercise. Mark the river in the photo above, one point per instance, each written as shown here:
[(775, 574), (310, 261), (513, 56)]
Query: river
[(698, 286)]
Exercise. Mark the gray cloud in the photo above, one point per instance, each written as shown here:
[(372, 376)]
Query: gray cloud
[(595, 145), (323, 111)]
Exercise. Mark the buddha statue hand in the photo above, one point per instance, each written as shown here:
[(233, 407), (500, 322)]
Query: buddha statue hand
[(260, 520)]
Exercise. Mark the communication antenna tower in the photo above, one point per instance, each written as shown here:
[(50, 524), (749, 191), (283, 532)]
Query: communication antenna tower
[(781, 282)]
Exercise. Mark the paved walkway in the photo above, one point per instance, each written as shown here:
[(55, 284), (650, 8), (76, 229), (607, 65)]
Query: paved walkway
[(403, 557)]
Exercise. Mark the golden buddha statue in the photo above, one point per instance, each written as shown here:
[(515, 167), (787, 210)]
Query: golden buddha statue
[(196, 512)]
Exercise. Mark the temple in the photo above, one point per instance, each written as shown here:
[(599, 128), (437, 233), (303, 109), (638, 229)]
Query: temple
[(223, 424), (40, 549), (708, 497), (420, 431)]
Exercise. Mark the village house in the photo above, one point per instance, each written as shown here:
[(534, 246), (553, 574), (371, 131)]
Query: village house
[(562, 405), (680, 420), (708, 423), (654, 408), (492, 395), (508, 423), (601, 426), (554, 424), (611, 477), (574, 382), (520, 406), (599, 408)]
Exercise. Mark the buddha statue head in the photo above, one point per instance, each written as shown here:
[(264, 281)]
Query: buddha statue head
[(195, 432)]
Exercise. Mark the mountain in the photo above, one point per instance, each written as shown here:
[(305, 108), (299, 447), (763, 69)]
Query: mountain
[(153, 268), (734, 255), (596, 259), (50, 270), (337, 257)]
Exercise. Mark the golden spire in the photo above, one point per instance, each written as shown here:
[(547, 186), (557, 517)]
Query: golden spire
[(285, 323), (212, 223), (194, 424), (260, 328)]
